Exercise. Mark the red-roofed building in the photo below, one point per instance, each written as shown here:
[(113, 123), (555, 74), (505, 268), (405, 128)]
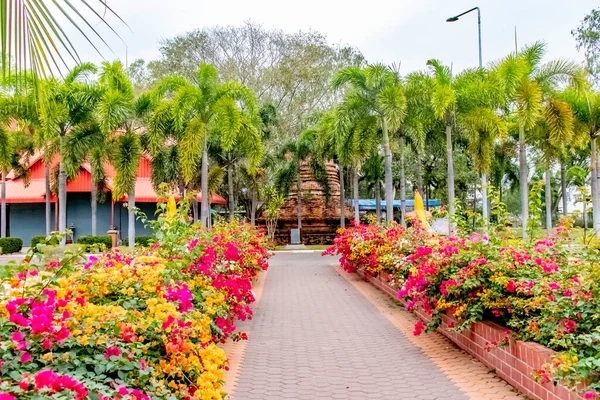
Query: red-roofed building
[(26, 202)]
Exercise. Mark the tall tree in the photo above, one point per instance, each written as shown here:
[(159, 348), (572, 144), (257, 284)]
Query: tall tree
[(373, 100), (207, 107), (550, 134), (69, 106), (122, 115), (443, 101), (586, 107), (587, 35), (527, 82), (291, 71), (374, 174)]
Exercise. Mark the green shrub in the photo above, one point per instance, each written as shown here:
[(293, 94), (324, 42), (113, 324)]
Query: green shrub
[(144, 241), (37, 240), (10, 245), (95, 240)]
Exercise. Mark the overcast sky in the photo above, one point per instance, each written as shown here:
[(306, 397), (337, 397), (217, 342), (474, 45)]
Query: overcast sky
[(402, 31)]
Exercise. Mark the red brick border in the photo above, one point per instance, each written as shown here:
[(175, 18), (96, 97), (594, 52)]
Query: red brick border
[(515, 363)]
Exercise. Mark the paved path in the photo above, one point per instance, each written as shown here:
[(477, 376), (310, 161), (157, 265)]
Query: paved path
[(314, 336)]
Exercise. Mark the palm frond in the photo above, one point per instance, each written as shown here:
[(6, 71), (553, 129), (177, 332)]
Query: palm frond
[(33, 39), (126, 158)]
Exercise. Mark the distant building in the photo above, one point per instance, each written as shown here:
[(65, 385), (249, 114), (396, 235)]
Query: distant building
[(26, 203)]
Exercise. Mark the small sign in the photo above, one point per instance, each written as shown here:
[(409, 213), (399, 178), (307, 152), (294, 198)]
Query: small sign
[(441, 226), (295, 236)]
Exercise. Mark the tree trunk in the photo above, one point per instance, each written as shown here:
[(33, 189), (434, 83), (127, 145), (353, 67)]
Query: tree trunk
[(230, 189), (402, 184), (427, 191), (450, 175), (523, 180), (563, 187), (595, 187), (356, 198), (131, 215), (62, 194), (3, 207), (387, 164), (94, 205), (204, 183), (342, 198), (299, 193), (253, 207), (195, 208), (420, 175), (48, 204), (484, 200), (378, 201), (548, 201)]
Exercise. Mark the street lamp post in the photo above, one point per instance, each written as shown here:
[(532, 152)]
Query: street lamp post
[(484, 205), (456, 17)]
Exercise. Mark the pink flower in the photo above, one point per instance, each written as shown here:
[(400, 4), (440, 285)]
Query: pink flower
[(6, 396), (589, 395), (17, 336), (419, 327), (567, 293), (24, 385), (168, 322), (231, 253), (554, 286), (123, 391), (112, 351), (25, 357), (192, 244)]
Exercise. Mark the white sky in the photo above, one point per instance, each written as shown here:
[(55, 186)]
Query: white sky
[(406, 31)]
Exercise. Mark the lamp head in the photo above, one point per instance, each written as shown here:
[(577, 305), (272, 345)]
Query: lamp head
[(452, 19)]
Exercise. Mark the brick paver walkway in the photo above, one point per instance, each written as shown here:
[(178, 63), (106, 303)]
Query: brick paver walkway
[(314, 336)]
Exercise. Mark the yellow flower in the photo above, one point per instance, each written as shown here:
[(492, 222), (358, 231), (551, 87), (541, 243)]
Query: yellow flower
[(84, 340), (171, 207)]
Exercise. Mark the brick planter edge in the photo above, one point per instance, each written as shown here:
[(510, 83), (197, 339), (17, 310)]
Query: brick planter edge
[(515, 363)]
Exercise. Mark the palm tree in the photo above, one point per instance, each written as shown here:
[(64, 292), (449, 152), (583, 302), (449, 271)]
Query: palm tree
[(121, 115), (443, 101), (373, 100), (527, 82), (206, 108), (550, 134), (586, 107), (420, 119), (374, 174), (331, 147), (18, 123), (68, 107)]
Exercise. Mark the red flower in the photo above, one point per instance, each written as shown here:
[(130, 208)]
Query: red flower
[(25, 357), (419, 328)]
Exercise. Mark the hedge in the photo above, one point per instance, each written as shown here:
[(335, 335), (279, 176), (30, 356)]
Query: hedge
[(94, 240), (10, 245), (144, 241)]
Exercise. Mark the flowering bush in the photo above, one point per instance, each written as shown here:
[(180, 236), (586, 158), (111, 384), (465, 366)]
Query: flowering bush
[(546, 290), (131, 326)]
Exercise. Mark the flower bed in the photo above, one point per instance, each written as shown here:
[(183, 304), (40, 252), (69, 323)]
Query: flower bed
[(131, 326), (543, 291)]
